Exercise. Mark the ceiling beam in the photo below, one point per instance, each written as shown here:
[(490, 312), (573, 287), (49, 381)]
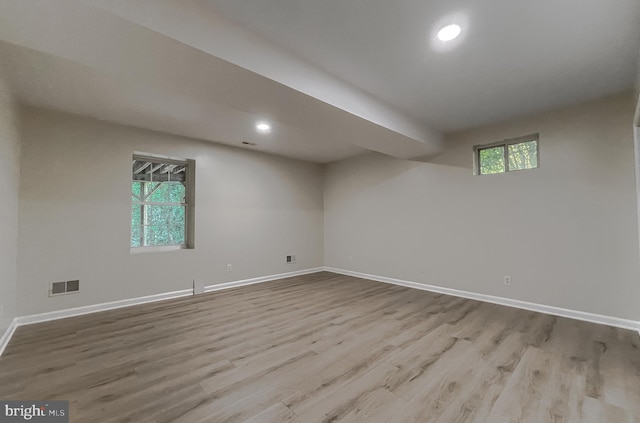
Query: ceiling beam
[(197, 25)]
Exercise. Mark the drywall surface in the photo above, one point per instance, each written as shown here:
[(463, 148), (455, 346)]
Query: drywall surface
[(636, 137), (9, 182), (566, 233), (252, 209)]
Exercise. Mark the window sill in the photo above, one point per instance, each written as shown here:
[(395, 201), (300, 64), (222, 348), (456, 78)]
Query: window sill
[(163, 249)]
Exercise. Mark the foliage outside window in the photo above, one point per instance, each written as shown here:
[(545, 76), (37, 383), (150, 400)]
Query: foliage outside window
[(507, 156), (160, 206)]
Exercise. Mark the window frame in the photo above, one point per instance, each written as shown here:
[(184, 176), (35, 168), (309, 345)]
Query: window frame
[(189, 203), (505, 143)]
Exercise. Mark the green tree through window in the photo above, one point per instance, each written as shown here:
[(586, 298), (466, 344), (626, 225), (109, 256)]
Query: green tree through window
[(523, 155), (492, 160), (158, 203), (520, 154)]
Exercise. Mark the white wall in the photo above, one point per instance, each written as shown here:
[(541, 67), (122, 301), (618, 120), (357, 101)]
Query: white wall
[(9, 181), (251, 210), (636, 135), (566, 232)]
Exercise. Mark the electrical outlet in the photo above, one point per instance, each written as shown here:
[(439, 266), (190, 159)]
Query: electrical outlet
[(229, 268), (507, 280)]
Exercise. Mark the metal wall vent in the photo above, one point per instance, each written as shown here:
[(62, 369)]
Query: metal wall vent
[(66, 287)]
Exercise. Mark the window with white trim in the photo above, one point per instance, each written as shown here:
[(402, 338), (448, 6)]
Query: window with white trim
[(506, 156), (161, 202)]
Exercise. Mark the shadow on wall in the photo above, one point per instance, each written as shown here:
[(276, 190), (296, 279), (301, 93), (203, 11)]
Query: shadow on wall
[(374, 169), (435, 159)]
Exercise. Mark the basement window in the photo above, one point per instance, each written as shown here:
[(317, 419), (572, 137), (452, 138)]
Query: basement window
[(162, 203), (506, 156)]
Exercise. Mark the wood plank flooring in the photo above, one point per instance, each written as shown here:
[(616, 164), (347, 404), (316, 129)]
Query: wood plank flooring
[(326, 348)]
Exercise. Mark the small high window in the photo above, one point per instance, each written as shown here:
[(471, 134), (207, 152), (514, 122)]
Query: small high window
[(161, 202), (506, 156)]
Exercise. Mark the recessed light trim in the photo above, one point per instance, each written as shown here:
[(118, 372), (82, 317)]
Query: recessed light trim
[(449, 32), (263, 127)]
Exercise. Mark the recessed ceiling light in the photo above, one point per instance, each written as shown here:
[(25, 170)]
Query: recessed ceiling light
[(449, 32), (263, 127)]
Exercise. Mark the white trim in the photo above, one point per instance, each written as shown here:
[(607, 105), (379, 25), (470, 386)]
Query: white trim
[(95, 308), (260, 279), (6, 337), (79, 311), (157, 249), (541, 308)]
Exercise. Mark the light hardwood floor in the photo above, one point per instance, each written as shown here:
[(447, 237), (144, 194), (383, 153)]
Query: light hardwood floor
[(326, 348)]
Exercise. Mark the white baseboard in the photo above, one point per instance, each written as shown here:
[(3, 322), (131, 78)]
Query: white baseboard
[(78, 311), (556, 311), (95, 308), (260, 279), (6, 337)]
